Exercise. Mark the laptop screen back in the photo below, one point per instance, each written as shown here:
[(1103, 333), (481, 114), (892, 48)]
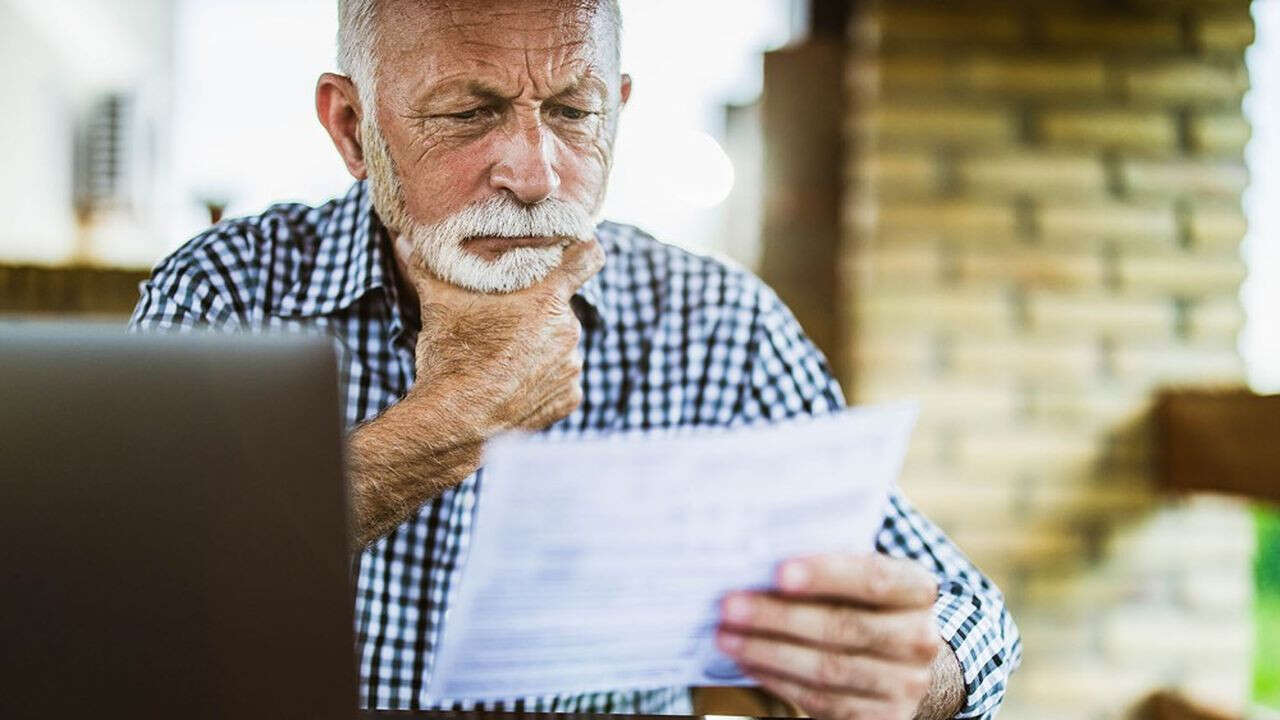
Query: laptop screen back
[(172, 527)]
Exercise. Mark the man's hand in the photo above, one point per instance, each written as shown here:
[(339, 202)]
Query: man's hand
[(845, 637), (485, 364), (503, 361)]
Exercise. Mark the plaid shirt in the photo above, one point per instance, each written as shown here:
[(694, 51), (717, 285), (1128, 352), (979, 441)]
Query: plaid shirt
[(670, 339)]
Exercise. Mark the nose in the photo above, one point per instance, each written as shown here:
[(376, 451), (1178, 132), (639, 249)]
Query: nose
[(526, 166)]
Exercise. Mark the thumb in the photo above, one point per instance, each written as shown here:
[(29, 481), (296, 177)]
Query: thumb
[(580, 261)]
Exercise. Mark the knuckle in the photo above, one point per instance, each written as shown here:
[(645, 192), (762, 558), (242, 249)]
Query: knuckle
[(878, 579), (881, 710), (814, 701), (595, 257), (845, 627), (915, 683), (832, 669), (880, 683), (572, 400), (926, 644)]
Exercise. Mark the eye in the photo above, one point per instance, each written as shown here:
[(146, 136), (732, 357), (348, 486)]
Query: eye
[(570, 113), (483, 112)]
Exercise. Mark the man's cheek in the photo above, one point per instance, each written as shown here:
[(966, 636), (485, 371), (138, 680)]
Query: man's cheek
[(583, 177)]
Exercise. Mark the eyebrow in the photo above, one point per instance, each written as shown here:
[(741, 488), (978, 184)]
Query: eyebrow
[(586, 83)]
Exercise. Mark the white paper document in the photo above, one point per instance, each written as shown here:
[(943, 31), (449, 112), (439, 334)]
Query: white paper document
[(599, 564)]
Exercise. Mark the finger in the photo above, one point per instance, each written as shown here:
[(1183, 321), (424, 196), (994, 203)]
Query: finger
[(818, 667), (820, 703), (580, 261), (874, 580), (900, 635)]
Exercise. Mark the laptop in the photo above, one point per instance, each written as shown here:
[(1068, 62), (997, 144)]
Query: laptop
[(173, 529)]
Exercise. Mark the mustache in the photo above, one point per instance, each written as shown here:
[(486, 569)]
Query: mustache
[(504, 216)]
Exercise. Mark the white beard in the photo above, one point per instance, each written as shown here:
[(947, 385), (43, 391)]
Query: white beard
[(440, 244)]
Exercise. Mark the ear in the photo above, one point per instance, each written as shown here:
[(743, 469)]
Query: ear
[(625, 89), (338, 107)]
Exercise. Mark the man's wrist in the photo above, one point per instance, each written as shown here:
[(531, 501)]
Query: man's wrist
[(947, 691), (405, 457)]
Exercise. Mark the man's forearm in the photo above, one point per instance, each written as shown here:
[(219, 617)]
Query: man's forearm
[(946, 688), (401, 460)]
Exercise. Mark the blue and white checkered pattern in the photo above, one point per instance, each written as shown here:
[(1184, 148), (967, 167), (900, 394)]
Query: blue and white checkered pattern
[(670, 340)]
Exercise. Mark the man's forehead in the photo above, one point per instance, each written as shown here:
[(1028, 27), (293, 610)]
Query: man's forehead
[(495, 26), (557, 42)]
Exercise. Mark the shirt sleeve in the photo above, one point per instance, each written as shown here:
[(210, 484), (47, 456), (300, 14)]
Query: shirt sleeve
[(194, 288), (789, 376)]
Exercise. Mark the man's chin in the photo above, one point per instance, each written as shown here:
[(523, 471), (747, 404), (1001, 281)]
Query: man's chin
[(508, 271)]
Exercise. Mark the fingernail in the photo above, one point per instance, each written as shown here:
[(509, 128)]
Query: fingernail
[(728, 642), (737, 608), (794, 576)]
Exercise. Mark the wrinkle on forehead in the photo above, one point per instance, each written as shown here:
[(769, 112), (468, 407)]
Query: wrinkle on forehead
[(512, 43)]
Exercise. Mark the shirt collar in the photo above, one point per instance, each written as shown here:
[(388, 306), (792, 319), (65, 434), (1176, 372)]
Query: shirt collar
[(352, 257), (349, 258)]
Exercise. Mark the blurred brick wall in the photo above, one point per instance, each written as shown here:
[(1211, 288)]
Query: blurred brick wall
[(1042, 226)]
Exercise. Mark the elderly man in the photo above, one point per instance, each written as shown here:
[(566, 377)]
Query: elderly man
[(473, 291)]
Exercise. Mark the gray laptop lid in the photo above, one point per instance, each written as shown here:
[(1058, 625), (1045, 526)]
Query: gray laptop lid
[(172, 527)]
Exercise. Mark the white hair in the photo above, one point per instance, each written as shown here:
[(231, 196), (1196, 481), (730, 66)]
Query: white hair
[(441, 249), (356, 38), (357, 33)]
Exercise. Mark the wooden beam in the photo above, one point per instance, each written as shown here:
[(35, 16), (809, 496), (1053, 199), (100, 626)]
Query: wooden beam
[(1224, 441)]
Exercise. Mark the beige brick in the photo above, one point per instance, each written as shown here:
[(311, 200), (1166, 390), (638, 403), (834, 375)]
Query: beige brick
[(1107, 407), (1124, 129), (1120, 222), (1036, 270), (911, 25), (1112, 31), (914, 72), (943, 404), (1216, 319), (1132, 634), (898, 174), (890, 268), (1176, 365), (1102, 588), (1082, 690), (1089, 503), (1218, 228), (900, 387), (1032, 75), (1181, 540), (1227, 33), (1186, 81), (1183, 274), (1075, 314), (1071, 635), (940, 124), (1052, 174), (1225, 179), (913, 356), (906, 309), (986, 358), (957, 219), (950, 500), (1219, 133), (1014, 544), (1016, 444)]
